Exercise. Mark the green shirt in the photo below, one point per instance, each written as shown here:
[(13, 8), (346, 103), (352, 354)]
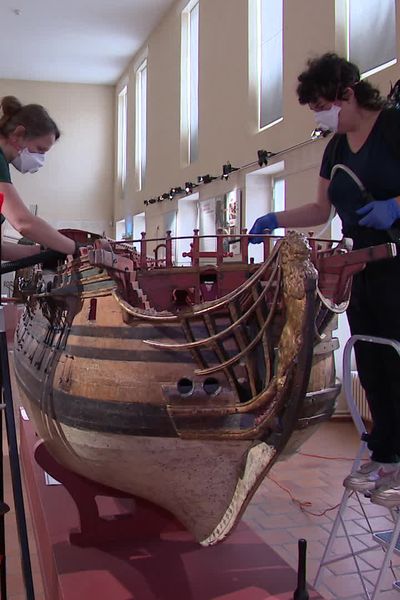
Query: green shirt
[(4, 174)]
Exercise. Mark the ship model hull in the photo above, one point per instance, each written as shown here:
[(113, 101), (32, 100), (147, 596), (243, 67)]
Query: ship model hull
[(180, 385)]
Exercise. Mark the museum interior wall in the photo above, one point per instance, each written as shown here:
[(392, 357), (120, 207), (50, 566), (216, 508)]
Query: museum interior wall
[(75, 187), (227, 122), (228, 128)]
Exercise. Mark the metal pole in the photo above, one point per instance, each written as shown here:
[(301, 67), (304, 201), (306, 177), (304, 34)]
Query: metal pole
[(14, 462), (3, 570), (301, 592)]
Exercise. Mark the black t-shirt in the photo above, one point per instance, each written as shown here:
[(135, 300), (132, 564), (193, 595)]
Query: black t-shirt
[(378, 168)]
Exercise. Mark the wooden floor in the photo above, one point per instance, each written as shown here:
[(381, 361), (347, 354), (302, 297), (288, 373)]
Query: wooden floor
[(314, 478)]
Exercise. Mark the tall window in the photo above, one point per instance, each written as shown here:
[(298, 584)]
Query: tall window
[(121, 141), (270, 61), (120, 229), (278, 200), (190, 82), (371, 34), (141, 124)]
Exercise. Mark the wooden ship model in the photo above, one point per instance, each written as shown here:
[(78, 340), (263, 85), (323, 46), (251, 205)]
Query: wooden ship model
[(183, 385)]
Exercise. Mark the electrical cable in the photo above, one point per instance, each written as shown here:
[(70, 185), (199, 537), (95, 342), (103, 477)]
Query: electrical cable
[(324, 457), (303, 504), (253, 163)]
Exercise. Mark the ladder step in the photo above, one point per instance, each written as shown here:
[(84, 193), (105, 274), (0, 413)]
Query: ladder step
[(385, 537)]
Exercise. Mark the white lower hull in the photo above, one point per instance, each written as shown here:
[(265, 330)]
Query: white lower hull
[(205, 484)]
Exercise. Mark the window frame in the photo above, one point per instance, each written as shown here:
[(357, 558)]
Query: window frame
[(379, 67), (260, 43), (122, 116), (189, 108), (141, 80)]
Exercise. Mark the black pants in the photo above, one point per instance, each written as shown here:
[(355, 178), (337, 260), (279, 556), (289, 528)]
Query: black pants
[(375, 310)]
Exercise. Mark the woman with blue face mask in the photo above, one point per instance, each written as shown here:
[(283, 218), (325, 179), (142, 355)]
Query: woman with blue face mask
[(361, 120), (26, 134)]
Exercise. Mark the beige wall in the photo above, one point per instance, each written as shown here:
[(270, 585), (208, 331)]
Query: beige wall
[(75, 186), (228, 110)]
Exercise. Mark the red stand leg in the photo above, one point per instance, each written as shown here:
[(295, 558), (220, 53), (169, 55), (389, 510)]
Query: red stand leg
[(144, 520), (137, 555)]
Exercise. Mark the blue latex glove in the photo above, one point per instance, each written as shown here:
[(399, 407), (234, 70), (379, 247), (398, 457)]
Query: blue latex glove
[(379, 214), (268, 221)]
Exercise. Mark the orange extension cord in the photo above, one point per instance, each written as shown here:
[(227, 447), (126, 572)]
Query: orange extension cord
[(302, 504)]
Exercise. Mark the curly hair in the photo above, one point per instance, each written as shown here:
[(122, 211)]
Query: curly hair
[(329, 75)]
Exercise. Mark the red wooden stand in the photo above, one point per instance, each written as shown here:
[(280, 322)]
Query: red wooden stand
[(121, 548), (106, 514)]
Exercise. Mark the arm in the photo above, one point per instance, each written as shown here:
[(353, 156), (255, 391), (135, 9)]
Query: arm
[(30, 226), (10, 251), (308, 215), (313, 213)]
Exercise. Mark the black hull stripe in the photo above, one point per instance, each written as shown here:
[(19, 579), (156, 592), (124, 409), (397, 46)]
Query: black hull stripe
[(140, 419), (144, 354), (30, 379), (139, 332), (137, 419), (125, 418), (95, 415), (128, 418), (118, 418), (152, 356)]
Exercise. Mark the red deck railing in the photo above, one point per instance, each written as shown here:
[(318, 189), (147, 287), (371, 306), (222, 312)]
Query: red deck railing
[(165, 246)]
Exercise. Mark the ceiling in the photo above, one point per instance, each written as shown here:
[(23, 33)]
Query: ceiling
[(79, 41)]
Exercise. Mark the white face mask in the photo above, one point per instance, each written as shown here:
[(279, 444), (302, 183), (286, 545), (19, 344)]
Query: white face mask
[(328, 120), (28, 162)]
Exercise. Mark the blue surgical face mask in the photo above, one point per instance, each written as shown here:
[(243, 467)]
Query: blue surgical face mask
[(328, 120), (28, 162)]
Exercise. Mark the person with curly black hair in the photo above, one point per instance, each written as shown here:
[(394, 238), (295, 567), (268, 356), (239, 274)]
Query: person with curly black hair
[(366, 143)]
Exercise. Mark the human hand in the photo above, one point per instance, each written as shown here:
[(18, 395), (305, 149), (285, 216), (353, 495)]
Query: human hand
[(268, 221), (379, 214)]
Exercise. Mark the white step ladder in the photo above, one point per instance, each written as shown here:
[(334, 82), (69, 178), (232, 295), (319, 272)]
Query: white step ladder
[(388, 540)]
